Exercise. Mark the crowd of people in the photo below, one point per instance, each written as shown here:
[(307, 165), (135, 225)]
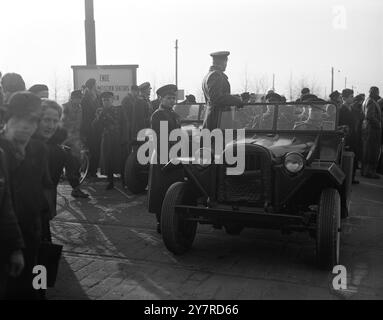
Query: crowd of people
[(40, 138), (362, 116)]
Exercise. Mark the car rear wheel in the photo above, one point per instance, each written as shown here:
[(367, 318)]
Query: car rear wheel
[(177, 232), (328, 229), (135, 179)]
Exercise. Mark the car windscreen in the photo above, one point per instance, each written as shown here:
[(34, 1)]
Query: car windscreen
[(190, 112), (312, 117)]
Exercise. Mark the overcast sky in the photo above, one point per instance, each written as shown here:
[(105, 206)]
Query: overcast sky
[(294, 39)]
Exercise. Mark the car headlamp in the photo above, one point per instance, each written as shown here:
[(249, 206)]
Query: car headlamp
[(294, 162), (203, 157)]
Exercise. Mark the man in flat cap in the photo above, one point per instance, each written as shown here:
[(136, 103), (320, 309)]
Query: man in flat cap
[(216, 89), (159, 181), (40, 90)]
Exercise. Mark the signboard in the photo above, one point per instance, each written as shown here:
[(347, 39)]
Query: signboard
[(115, 78)]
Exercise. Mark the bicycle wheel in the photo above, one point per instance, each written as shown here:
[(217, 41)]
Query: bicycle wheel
[(84, 167)]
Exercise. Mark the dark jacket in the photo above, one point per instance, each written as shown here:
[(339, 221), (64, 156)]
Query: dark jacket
[(135, 117), (357, 111), (29, 180), (58, 157), (89, 107), (372, 132), (346, 118), (110, 124), (168, 115), (10, 234), (216, 89)]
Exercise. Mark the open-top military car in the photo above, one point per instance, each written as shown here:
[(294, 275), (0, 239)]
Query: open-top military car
[(297, 177), (136, 175)]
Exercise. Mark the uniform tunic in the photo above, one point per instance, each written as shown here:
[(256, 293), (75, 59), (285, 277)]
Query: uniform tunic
[(216, 89)]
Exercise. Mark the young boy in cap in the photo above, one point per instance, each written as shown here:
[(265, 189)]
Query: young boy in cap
[(165, 113), (216, 89)]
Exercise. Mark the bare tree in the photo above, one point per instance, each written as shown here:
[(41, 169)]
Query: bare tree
[(261, 84), (245, 83)]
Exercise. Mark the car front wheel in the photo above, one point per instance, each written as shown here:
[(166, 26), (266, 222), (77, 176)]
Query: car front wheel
[(328, 229), (178, 233)]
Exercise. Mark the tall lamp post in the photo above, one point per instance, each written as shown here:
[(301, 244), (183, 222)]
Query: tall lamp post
[(90, 34), (176, 63), (332, 79)]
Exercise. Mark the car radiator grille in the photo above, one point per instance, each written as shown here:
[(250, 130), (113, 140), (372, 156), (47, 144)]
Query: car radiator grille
[(253, 186)]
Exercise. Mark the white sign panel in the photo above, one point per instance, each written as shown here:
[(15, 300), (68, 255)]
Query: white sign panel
[(115, 78)]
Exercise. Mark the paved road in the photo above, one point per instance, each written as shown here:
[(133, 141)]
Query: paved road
[(112, 251)]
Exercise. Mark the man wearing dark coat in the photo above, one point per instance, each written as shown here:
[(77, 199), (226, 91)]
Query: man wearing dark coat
[(357, 111), (216, 89), (336, 99), (135, 116), (90, 104), (11, 240), (26, 157), (347, 118), (372, 134), (108, 121), (159, 181)]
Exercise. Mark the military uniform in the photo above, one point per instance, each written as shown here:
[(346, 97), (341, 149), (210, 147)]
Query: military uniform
[(216, 88)]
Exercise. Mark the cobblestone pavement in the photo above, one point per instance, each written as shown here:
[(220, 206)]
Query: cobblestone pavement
[(112, 251)]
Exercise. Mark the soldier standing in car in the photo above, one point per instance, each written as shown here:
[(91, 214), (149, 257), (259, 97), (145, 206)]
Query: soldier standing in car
[(216, 88)]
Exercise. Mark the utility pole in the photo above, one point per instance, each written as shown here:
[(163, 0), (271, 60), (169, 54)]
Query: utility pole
[(332, 79), (345, 82), (273, 82), (176, 63), (90, 33)]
